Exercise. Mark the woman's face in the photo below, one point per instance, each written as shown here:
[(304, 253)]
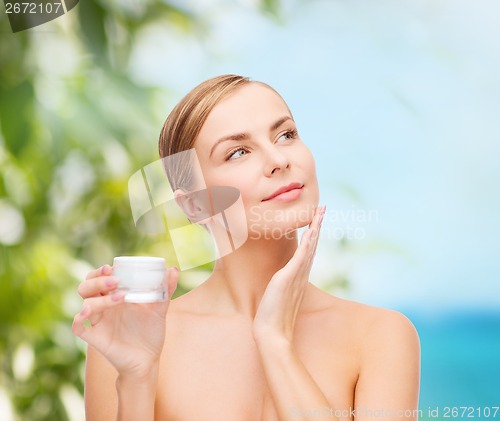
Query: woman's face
[(249, 141)]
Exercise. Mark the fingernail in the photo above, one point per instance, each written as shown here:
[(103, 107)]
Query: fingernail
[(85, 311), (323, 212), (117, 296), (105, 268), (111, 282)]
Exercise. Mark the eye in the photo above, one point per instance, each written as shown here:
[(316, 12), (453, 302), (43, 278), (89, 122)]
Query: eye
[(288, 136), (236, 153)]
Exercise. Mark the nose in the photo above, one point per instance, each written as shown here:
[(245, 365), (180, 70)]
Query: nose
[(276, 160)]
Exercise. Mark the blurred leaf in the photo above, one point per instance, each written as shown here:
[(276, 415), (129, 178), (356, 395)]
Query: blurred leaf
[(348, 191), (16, 107), (92, 17), (271, 7)]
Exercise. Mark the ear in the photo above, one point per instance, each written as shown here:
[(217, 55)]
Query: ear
[(191, 205)]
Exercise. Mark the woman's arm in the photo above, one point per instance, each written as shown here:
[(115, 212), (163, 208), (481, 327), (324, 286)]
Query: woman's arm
[(387, 388), (136, 397), (389, 379), (125, 343), (109, 396), (290, 383), (294, 391), (101, 400)]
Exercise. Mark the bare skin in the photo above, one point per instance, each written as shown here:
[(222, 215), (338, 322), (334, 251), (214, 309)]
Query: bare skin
[(257, 340), (211, 365)]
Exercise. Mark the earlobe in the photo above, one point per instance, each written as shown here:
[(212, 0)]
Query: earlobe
[(178, 195), (186, 203), (189, 204)]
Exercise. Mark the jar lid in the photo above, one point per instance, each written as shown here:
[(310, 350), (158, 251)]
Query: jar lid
[(149, 262)]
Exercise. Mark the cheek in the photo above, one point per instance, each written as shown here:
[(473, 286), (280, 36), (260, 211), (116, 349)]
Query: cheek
[(244, 184), (238, 177), (307, 159), (247, 192), (307, 165), (311, 199)]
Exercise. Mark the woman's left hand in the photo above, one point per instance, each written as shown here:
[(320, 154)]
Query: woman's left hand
[(281, 301)]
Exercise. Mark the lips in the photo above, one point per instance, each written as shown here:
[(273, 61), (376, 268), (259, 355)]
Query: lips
[(284, 189)]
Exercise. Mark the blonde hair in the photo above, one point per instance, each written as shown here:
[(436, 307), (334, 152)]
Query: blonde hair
[(185, 121)]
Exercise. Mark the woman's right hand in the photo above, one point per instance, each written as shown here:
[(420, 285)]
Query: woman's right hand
[(129, 335)]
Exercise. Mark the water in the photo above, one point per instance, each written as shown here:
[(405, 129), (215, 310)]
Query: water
[(460, 361)]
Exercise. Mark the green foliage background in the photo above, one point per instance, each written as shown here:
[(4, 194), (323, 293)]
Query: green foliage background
[(70, 139)]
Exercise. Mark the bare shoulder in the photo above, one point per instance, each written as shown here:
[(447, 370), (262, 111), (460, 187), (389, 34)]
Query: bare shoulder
[(373, 326), (378, 321), (382, 346), (387, 353), (383, 328)]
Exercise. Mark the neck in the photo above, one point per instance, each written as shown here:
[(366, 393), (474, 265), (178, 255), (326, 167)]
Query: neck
[(240, 278)]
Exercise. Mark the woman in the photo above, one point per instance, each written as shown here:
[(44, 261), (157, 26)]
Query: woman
[(256, 340)]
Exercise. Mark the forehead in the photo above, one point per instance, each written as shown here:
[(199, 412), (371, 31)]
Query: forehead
[(251, 107)]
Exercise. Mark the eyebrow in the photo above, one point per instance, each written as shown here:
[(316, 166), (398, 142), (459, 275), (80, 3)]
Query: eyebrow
[(244, 136)]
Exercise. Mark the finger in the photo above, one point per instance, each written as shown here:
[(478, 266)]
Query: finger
[(318, 216), (103, 270), (94, 307), (97, 305), (78, 326), (310, 238), (311, 252), (306, 237), (316, 225), (318, 229), (299, 258), (101, 285), (299, 263), (172, 280), (313, 245)]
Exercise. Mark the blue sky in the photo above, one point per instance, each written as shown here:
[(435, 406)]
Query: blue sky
[(399, 102)]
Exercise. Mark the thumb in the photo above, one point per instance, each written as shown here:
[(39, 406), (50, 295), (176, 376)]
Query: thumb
[(172, 278)]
